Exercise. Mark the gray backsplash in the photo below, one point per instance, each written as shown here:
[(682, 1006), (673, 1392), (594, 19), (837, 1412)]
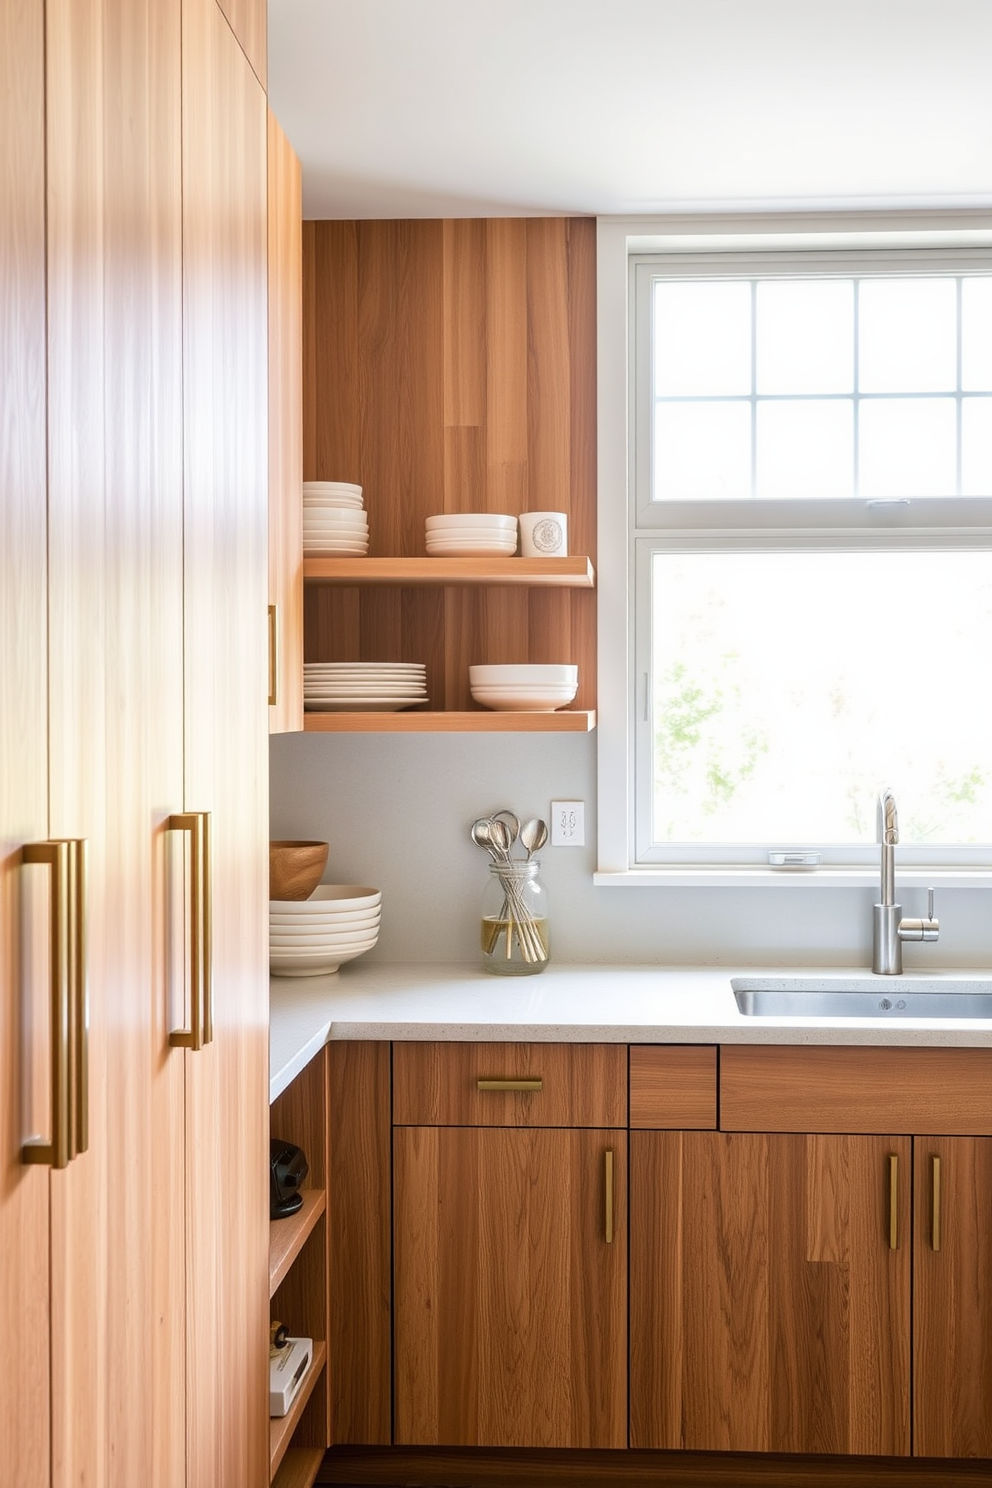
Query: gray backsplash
[(396, 809)]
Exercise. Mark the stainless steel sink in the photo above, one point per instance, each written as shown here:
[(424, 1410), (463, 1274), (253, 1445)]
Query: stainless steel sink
[(863, 996)]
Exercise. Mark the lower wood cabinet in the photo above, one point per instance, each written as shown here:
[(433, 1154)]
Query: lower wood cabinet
[(952, 1297), (770, 1292), (510, 1287)]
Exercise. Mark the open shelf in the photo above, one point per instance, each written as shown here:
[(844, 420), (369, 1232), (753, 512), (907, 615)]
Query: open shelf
[(281, 1428), (563, 573), (449, 723), (299, 1469), (287, 1237)]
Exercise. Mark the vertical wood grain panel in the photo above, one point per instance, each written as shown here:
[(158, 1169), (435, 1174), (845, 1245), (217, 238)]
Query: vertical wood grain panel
[(549, 384), (24, 1223), (510, 1305), (359, 1204), (285, 425), (248, 20), (335, 408), (767, 1311), (226, 745), (953, 1308), (464, 247), (145, 1233), (506, 365), (78, 703)]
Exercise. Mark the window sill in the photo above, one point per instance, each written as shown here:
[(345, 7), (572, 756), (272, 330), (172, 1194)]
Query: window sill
[(684, 877)]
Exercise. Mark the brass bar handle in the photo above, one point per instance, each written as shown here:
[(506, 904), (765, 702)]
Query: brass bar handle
[(935, 1190), (537, 1084), (608, 1227), (200, 1031), (893, 1201), (55, 856), (79, 1092), (273, 655)]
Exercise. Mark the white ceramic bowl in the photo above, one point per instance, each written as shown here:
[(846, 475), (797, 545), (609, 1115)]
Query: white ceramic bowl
[(462, 521), (288, 927), (321, 964), (471, 550), (327, 898), (558, 674), (332, 487), (522, 702), (325, 547)]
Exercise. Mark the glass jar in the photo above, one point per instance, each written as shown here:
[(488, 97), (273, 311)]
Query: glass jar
[(514, 937)]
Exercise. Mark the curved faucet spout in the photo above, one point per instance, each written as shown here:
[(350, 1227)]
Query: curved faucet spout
[(889, 928), (888, 835)]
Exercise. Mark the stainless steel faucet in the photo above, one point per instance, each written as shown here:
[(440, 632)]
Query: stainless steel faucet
[(890, 929)]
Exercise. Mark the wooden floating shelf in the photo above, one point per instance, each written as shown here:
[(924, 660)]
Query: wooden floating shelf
[(449, 723), (564, 573), (281, 1428), (299, 1469), (287, 1237)]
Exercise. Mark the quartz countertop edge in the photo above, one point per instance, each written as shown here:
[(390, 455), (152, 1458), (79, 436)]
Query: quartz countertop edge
[(627, 1004)]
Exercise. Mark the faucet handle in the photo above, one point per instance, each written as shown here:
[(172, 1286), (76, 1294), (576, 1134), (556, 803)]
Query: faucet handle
[(928, 929)]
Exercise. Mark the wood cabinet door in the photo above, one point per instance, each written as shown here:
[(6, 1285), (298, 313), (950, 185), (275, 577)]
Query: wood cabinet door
[(768, 1311), (226, 744), (25, 1434), (510, 1301), (952, 1319)]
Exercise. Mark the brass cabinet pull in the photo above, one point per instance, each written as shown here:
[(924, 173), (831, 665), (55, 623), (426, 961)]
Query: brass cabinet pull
[(537, 1084), (273, 655), (935, 1189), (609, 1196), (200, 1031), (66, 858), (893, 1201)]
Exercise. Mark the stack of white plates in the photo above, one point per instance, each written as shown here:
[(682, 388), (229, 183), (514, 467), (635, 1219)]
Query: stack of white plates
[(464, 534), (334, 520), (363, 686), (524, 688), (310, 937)]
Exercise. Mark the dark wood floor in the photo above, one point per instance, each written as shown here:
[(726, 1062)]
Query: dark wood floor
[(367, 1467)]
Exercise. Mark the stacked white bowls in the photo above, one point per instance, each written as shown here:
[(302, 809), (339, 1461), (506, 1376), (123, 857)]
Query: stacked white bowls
[(334, 520), (466, 534), (311, 937), (524, 688)]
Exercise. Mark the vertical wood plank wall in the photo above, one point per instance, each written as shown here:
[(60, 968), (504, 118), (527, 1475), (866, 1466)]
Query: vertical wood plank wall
[(450, 366)]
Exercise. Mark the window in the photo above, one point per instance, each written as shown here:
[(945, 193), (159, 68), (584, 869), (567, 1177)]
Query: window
[(809, 558)]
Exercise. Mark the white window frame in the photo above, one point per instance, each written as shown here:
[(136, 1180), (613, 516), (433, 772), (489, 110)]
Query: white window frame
[(627, 530)]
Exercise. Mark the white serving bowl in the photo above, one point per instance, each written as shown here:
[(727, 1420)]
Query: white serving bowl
[(286, 928), (332, 488), (328, 898), (470, 550), (325, 547), (523, 702), (321, 964), (332, 503), (335, 522), (461, 521), (529, 673), (330, 947)]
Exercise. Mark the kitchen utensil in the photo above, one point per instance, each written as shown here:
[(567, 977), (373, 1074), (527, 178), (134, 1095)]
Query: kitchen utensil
[(533, 835)]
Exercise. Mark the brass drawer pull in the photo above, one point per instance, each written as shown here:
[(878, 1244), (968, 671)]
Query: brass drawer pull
[(609, 1197), (893, 1202), (537, 1084), (200, 1031), (935, 1183), (66, 858)]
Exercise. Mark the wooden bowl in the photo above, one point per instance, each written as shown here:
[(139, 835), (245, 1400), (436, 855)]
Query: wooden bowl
[(295, 868)]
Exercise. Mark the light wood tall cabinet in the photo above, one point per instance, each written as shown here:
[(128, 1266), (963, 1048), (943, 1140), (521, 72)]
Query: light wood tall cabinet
[(133, 301)]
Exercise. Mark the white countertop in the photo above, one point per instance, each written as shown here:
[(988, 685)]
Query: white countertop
[(564, 1004)]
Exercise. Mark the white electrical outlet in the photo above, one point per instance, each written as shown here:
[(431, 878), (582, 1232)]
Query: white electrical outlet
[(568, 823)]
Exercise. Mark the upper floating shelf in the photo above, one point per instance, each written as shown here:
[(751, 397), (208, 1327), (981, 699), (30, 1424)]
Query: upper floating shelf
[(565, 573)]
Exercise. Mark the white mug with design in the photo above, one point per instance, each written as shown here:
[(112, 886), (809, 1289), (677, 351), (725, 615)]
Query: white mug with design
[(543, 534)]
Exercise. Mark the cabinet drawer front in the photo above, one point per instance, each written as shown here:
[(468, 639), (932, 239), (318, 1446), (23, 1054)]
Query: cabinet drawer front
[(673, 1086), (438, 1084), (828, 1089)]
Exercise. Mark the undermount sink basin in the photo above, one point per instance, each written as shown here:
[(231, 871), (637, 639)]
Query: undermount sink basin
[(866, 996)]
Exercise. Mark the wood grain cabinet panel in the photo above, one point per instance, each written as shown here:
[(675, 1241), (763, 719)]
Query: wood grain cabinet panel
[(768, 1311), (842, 1089), (673, 1086), (566, 1084), (952, 1328), (510, 1287)]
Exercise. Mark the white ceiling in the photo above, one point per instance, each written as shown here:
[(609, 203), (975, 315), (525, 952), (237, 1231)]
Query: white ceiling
[(460, 108)]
